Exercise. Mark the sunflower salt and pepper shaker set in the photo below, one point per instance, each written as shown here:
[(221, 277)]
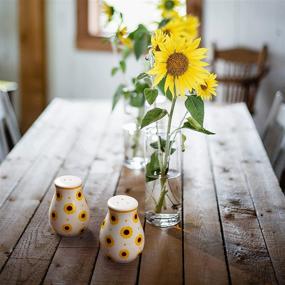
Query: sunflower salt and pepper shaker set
[(121, 233)]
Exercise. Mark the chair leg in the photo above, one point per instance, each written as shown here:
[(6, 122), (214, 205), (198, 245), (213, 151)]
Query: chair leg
[(11, 119), (4, 149)]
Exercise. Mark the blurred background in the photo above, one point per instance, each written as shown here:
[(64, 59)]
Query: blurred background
[(50, 48)]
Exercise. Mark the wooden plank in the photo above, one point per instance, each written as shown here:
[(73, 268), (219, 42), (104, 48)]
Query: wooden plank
[(28, 149), (29, 192), (204, 256), (269, 201), (33, 60), (99, 187), (161, 261), (247, 255), (71, 266)]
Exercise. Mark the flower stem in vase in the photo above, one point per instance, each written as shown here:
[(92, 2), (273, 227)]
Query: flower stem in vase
[(137, 135), (163, 192), (163, 180)]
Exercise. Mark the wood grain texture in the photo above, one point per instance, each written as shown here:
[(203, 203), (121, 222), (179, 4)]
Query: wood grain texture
[(38, 242), (31, 147), (234, 211), (99, 187), (28, 194), (106, 271), (269, 201), (247, 254), (32, 60), (161, 261), (204, 257)]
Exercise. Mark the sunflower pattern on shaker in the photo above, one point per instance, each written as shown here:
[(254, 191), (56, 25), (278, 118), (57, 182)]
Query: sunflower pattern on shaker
[(69, 212), (121, 235)]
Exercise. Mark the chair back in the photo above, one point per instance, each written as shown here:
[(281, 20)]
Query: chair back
[(9, 130), (239, 71), (273, 135)]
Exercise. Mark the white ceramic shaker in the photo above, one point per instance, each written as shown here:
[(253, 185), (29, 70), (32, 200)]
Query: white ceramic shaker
[(68, 212), (121, 234)]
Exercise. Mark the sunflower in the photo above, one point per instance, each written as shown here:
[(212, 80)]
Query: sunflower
[(157, 39), (168, 8), (108, 11), (180, 63), (186, 26), (121, 34), (207, 88)]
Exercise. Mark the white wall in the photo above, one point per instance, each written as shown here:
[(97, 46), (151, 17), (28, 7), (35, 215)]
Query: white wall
[(9, 59), (73, 72), (251, 23)]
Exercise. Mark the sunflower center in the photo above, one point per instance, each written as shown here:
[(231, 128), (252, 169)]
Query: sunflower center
[(204, 86), (177, 64)]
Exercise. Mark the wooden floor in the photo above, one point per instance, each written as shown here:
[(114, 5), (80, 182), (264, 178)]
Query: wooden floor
[(233, 229)]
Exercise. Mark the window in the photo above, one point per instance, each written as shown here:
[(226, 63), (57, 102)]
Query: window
[(91, 28)]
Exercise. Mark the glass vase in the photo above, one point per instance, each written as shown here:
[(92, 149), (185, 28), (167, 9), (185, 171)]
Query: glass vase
[(133, 143), (163, 178)]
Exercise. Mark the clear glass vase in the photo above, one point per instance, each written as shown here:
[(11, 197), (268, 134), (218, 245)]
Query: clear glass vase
[(163, 178), (133, 145)]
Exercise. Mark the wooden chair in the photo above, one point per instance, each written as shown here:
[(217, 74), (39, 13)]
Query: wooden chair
[(9, 130), (239, 71), (273, 135)]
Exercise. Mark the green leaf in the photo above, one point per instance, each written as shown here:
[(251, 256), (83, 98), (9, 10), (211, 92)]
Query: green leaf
[(195, 106), (150, 95), (140, 87), (142, 75), (127, 94), (148, 81), (117, 95), (152, 116), (152, 168), (114, 70), (183, 137), (123, 66), (141, 46), (194, 125), (162, 145), (126, 52), (167, 94), (141, 37), (136, 99)]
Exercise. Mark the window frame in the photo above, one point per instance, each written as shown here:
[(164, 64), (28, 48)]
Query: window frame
[(86, 41)]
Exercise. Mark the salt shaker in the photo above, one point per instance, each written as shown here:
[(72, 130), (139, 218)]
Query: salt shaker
[(121, 233), (68, 212)]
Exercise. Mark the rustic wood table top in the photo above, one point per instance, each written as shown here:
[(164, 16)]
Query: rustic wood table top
[(233, 228)]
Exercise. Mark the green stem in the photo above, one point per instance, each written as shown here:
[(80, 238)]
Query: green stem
[(136, 142), (163, 179), (167, 148), (163, 192)]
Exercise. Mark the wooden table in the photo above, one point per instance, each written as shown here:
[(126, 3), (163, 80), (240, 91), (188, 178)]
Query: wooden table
[(234, 211)]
